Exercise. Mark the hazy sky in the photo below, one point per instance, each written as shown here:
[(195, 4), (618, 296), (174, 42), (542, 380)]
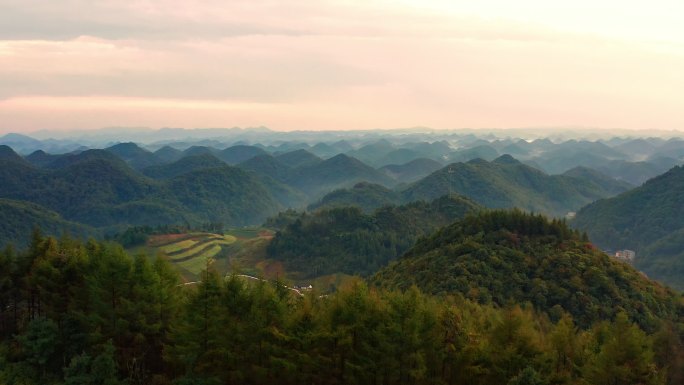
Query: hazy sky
[(332, 64)]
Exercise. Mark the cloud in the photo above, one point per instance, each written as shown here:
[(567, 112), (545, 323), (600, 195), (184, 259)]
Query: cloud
[(324, 64)]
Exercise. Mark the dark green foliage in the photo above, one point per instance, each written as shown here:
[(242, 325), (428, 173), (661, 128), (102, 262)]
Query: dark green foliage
[(183, 166), (20, 218), (648, 220), (502, 256), (411, 171), (7, 154), (90, 314), (298, 158), (40, 158), (270, 166), (599, 180), (507, 183), (168, 154), (98, 189), (338, 171), (225, 194), (367, 196), (347, 240), (239, 153), (137, 157)]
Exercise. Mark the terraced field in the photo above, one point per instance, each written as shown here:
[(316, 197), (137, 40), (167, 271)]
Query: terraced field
[(241, 251), (237, 249), (191, 252)]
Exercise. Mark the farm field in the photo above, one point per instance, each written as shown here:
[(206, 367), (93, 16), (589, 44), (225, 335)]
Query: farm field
[(191, 252), (240, 251)]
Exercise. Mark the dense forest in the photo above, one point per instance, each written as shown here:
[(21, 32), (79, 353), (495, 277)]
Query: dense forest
[(75, 313), (502, 256), (649, 220), (346, 240), (506, 182)]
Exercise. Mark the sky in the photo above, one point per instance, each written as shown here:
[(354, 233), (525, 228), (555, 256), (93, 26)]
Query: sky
[(334, 64)]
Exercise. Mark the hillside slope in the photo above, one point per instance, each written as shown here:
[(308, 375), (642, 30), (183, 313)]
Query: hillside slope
[(346, 240), (648, 220), (20, 218), (507, 183), (502, 256)]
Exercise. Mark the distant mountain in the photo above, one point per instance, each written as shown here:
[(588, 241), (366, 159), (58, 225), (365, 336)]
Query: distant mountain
[(168, 154), (298, 158), (240, 153), (346, 240), (226, 194), (67, 160), (373, 153), (324, 150), (200, 150), (365, 195), (485, 152), (503, 256), (22, 143), (637, 147), (19, 219), (411, 171), (183, 166), (649, 220), (40, 158), (336, 172), (97, 188), (505, 183), (9, 155), (437, 151), (398, 156), (602, 182), (268, 165), (134, 155), (635, 173)]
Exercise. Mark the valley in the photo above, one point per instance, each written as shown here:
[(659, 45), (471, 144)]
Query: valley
[(292, 246)]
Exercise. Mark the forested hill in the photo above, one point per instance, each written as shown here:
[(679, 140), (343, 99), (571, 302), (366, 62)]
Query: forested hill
[(367, 196), (507, 183), (98, 189), (502, 256), (77, 314), (346, 240), (19, 219), (648, 220)]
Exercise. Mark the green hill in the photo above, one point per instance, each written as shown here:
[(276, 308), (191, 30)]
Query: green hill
[(411, 171), (134, 155), (8, 154), (502, 256), (226, 194), (600, 181), (97, 188), (168, 154), (336, 172), (239, 153), (648, 220), (367, 196), (183, 166), (507, 183), (268, 165), (345, 240), (298, 158), (20, 218)]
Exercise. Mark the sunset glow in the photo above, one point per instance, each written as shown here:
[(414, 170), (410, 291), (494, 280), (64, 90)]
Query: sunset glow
[(325, 65)]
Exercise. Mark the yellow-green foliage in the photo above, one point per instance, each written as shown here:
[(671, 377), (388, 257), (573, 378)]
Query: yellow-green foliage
[(199, 261), (178, 246)]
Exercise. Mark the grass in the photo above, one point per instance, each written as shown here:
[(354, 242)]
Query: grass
[(196, 264), (178, 246), (241, 250)]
